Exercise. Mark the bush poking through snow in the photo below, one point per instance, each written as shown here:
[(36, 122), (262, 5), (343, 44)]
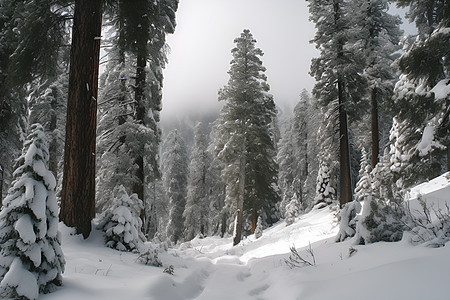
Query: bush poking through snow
[(31, 259), (169, 270), (428, 230), (122, 224), (380, 221), (295, 260), (347, 226), (150, 257)]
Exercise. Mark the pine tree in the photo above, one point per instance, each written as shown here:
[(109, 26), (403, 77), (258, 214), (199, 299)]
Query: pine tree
[(31, 36), (424, 65), (259, 228), (325, 193), (363, 186), (338, 72), (379, 35), (293, 157), (292, 210), (121, 224), (246, 145), (31, 259), (174, 170), (197, 204)]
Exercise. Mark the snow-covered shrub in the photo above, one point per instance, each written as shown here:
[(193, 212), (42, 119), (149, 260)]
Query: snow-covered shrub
[(122, 224), (430, 227), (325, 193), (149, 256), (380, 221), (292, 210), (348, 215), (259, 228), (31, 259)]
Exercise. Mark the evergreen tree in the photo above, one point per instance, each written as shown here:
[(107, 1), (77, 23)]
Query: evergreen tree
[(174, 170), (363, 186), (31, 36), (31, 259), (379, 38), (259, 228), (424, 64), (293, 158), (121, 224), (338, 74), (292, 210), (325, 193), (197, 205), (246, 143)]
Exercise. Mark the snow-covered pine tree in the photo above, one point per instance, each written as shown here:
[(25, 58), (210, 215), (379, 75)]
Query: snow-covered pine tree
[(218, 210), (382, 217), (424, 64), (377, 39), (174, 169), (196, 213), (292, 210), (325, 193), (364, 185), (120, 137), (121, 223), (259, 228), (31, 259), (246, 144), (293, 157), (338, 74)]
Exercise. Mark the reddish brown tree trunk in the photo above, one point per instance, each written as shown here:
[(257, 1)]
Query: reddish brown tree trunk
[(78, 192), (344, 153), (374, 127)]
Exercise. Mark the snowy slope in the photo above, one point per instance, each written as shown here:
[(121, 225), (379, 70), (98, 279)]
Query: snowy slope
[(211, 269)]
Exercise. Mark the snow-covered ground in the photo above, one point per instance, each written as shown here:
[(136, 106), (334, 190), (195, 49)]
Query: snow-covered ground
[(212, 269)]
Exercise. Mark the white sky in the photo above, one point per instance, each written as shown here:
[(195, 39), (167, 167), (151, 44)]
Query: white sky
[(202, 43)]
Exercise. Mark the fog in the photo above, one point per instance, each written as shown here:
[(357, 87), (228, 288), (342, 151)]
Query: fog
[(200, 52)]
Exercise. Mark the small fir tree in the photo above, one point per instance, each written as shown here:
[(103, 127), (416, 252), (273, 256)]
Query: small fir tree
[(122, 224), (31, 259), (292, 210), (259, 228), (325, 193)]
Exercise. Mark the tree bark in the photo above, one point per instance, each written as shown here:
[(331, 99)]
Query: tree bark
[(138, 187), (374, 127), (344, 153), (78, 192), (240, 198)]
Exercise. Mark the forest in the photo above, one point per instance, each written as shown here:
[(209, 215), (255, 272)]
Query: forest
[(81, 144)]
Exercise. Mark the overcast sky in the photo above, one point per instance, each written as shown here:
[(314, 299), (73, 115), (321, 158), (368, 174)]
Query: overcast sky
[(201, 50)]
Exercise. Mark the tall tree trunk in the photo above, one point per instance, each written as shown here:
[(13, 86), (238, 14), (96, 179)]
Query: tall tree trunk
[(374, 127), (78, 191), (139, 97), (344, 153), (240, 198), (254, 220)]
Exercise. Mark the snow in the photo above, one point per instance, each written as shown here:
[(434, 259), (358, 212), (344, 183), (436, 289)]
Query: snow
[(211, 269), (427, 141), (442, 89)]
